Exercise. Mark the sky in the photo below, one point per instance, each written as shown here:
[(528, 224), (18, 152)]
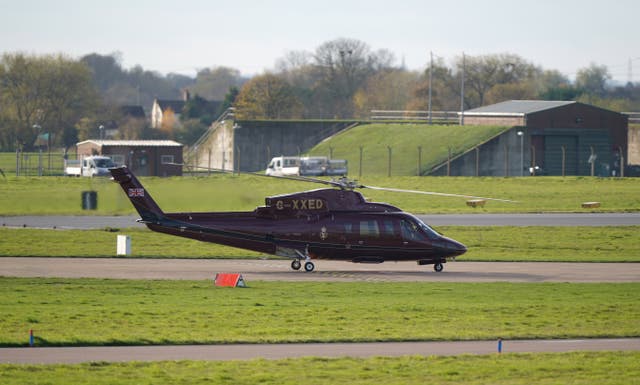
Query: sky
[(184, 36)]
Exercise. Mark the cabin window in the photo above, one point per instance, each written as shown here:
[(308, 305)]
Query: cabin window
[(387, 228), (369, 229), (348, 228)]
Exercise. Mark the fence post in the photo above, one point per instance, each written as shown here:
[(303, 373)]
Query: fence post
[(592, 160), (40, 162), (195, 161), (621, 162), (389, 166), (209, 167), (477, 161), (237, 156), (268, 154), (506, 160), (360, 170), (533, 160), (564, 157), (419, 168), (449, 163)]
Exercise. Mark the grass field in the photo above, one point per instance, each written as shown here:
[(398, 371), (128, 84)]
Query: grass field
[(129, 312), (404, 139), (59, 195), (492, 243), (559, 368)]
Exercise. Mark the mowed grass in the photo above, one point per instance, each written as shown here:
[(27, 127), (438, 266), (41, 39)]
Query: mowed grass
[(545, 368), (491, 243), (404, 139), (551, 244), (130, 312), (60, 195)]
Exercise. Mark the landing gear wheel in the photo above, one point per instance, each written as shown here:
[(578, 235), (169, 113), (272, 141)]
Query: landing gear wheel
[(309, 266), (438, 267), (295, 264)]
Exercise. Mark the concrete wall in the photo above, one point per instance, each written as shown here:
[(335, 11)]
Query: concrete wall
[(500, 156), (249, 145)]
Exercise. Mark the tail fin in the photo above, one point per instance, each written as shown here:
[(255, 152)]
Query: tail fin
[(147, 208)]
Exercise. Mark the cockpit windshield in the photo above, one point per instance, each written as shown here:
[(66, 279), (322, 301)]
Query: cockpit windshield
[(431, 233), (414, 229)]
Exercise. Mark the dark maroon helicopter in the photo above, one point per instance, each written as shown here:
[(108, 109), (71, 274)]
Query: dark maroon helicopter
[(330, 223)]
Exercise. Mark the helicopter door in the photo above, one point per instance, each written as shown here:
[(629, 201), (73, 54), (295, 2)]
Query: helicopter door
[(390, 230)]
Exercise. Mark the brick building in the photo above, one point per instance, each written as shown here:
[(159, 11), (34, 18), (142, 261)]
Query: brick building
[(143, 157)]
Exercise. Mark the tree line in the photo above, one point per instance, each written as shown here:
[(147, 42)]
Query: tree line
[(61, 100)]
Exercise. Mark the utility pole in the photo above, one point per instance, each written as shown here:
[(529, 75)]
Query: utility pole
[(462, 93)]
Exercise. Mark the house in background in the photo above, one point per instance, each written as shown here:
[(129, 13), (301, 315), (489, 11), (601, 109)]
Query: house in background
[(126, 115), (143, 157), (169, 112)]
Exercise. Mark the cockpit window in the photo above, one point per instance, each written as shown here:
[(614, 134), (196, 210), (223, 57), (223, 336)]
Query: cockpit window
[(431, 233), (416, 230), (409, 231)]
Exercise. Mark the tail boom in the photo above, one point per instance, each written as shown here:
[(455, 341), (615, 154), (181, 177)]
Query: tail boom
[(148, 209)]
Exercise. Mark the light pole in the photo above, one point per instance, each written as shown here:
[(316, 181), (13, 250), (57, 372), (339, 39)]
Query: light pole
[(521, 135), (101, 128)]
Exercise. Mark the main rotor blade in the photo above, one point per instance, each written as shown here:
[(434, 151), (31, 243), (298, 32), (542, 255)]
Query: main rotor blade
[(435, 193), (344, 183)]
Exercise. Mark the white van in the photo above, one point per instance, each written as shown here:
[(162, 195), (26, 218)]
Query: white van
[(90, 166), (284, 165)]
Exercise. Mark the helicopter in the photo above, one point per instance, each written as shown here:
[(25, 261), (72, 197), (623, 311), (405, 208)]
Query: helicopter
[(335, 223)]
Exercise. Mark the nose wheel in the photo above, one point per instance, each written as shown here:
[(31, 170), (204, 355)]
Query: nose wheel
[(296, 265), (438, 267)]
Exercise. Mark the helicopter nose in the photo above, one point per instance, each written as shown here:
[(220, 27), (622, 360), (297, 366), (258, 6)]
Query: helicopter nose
[(455, 247)]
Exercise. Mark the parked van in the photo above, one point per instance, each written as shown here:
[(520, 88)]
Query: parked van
[(89, 166), (313, 166), (284, 165), (306, 166)]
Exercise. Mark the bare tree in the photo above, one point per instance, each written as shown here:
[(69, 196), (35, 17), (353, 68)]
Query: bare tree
[(267, 97), (43, 94), (214, 83), (593, 80), (484, 72)]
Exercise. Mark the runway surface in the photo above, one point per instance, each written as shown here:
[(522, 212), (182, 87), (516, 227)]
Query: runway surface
[(548, 219), (329, 271), (70, 355)]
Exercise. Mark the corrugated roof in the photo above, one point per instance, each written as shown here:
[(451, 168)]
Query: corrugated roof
[(517, 107), (134, 143)]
